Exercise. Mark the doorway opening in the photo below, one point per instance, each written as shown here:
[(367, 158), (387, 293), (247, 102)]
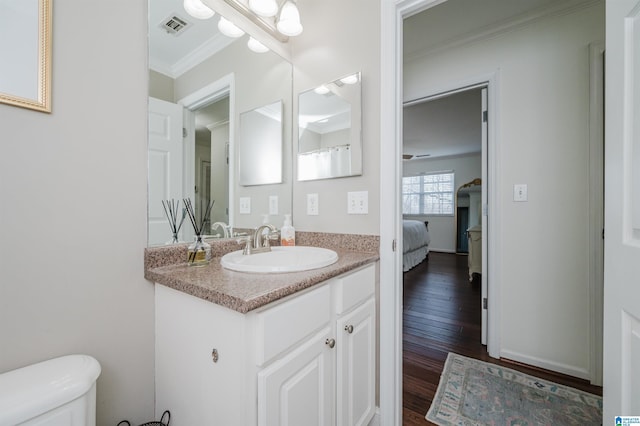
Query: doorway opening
[(443, 297)]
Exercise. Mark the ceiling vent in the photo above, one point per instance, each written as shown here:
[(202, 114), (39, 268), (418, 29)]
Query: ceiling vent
[(174, 25)]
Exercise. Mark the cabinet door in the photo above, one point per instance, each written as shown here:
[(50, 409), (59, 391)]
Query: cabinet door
[(298, 389), (356, 345)]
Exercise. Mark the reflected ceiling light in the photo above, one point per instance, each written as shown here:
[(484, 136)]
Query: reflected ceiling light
[(289, 20), (321, 90), (266, 8), (350, 79), (256, 46), (197, 9), (228, 28)]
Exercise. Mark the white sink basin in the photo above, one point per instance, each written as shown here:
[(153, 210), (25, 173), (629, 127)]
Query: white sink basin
[(280, 259)]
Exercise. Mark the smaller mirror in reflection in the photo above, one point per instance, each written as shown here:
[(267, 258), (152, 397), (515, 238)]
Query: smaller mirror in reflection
[(260, 145), (329, 121)]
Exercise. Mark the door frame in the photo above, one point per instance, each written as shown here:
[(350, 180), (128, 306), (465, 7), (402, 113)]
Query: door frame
[(391, 93), (206, 95), (490, 335), (596, 209)]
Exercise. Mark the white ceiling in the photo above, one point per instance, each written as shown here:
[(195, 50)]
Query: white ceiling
[(173, 55), (443, 127)]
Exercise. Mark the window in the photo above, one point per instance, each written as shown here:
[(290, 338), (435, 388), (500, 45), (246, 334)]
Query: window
[(430, 194)]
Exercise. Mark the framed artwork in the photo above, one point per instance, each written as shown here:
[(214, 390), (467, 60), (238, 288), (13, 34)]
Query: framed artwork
[(25, 49)]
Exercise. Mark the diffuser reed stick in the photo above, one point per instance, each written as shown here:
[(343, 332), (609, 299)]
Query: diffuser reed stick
[(171, 208)]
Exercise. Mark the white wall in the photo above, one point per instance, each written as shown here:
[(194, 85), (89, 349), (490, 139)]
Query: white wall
[(330, 48), (543, 140), (73, 191), (442, 229)]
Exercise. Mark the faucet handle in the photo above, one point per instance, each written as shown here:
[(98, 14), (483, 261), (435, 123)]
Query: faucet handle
[(246, 240)]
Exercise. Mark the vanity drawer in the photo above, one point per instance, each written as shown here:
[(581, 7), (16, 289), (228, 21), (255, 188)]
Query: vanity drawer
[(280, 327), (354, 288)]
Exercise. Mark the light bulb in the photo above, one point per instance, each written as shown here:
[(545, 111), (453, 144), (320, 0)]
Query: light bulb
[(321, 90), (350, 79), (256, 46), (228, 28), (289, 22), (197, 9), (266, 8)]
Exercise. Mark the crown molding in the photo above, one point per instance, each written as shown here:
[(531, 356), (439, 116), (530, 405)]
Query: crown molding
[(194, 58)]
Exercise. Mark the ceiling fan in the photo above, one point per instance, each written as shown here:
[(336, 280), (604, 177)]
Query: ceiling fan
[(411, 156)]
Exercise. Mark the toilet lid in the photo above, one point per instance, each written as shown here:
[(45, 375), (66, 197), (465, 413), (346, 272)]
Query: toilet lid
[(35, 389)]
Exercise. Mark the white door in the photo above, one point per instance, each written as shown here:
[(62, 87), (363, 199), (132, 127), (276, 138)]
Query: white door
[(165, 165), (622, 211), (485, 223), (356, 374), (299, 388)]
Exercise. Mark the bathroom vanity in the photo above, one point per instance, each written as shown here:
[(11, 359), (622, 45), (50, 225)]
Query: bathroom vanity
[(253, 349)]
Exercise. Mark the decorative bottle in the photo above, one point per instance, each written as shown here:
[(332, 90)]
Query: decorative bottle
[(199, 252), (288, 232)]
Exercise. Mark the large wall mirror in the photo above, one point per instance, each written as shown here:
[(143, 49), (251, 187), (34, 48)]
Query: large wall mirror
[(221, 93), (330, 130)]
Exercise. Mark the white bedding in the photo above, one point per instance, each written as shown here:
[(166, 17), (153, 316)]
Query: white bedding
[(415, 245)]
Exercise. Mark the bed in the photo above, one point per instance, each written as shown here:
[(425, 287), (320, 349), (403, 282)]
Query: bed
[(415, 243)]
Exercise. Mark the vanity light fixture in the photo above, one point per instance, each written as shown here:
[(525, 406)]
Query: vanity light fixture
[(289, 20), (256, 46), (264, 8), (197, 9), (228, 28)]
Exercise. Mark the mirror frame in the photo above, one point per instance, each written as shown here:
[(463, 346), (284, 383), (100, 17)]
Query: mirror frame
[(474, 182), (42, 101)]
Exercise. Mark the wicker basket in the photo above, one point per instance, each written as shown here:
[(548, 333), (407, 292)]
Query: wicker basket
[(162, 421)]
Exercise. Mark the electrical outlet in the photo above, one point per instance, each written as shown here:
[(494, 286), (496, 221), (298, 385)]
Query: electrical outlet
[(358, 202), (520, 192), (245, 205), (312, 204), (273, 204)]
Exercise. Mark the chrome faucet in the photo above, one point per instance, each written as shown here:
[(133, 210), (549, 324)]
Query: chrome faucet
[(258, 243), (224, 227), (262, 241)]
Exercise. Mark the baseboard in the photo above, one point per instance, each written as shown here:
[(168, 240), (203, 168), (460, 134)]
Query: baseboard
[(569, 370), (375, 420)]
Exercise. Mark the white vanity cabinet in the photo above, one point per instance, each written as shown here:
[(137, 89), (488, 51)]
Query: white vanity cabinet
[(308, 359)]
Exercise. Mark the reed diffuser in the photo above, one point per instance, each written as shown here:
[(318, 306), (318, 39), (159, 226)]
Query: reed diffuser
[(171, 211), (199, 252)]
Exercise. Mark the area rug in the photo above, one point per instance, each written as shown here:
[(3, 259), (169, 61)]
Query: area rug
[(473, 392)]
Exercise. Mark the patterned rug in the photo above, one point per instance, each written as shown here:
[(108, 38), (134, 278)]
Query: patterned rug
[(473, 392)]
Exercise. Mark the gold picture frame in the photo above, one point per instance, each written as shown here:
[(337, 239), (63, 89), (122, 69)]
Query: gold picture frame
[(25, 75)]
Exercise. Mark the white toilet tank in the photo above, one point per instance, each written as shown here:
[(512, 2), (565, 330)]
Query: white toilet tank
[(57, 392)]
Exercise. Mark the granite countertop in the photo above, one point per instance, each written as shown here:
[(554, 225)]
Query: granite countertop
[(244, 292)]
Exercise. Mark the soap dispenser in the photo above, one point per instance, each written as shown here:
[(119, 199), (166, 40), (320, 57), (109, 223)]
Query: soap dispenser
[(288, 232)]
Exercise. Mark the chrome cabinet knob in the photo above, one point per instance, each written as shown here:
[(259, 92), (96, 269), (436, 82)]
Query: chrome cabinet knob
[(348, 328), (330, 342)]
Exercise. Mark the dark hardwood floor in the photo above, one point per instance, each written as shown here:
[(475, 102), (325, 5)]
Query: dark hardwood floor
[(442, 315)]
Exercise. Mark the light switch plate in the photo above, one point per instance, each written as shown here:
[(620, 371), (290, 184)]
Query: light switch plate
[(273, 204), (245, 205), (520, 192), (312, 204), (358, 202)]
